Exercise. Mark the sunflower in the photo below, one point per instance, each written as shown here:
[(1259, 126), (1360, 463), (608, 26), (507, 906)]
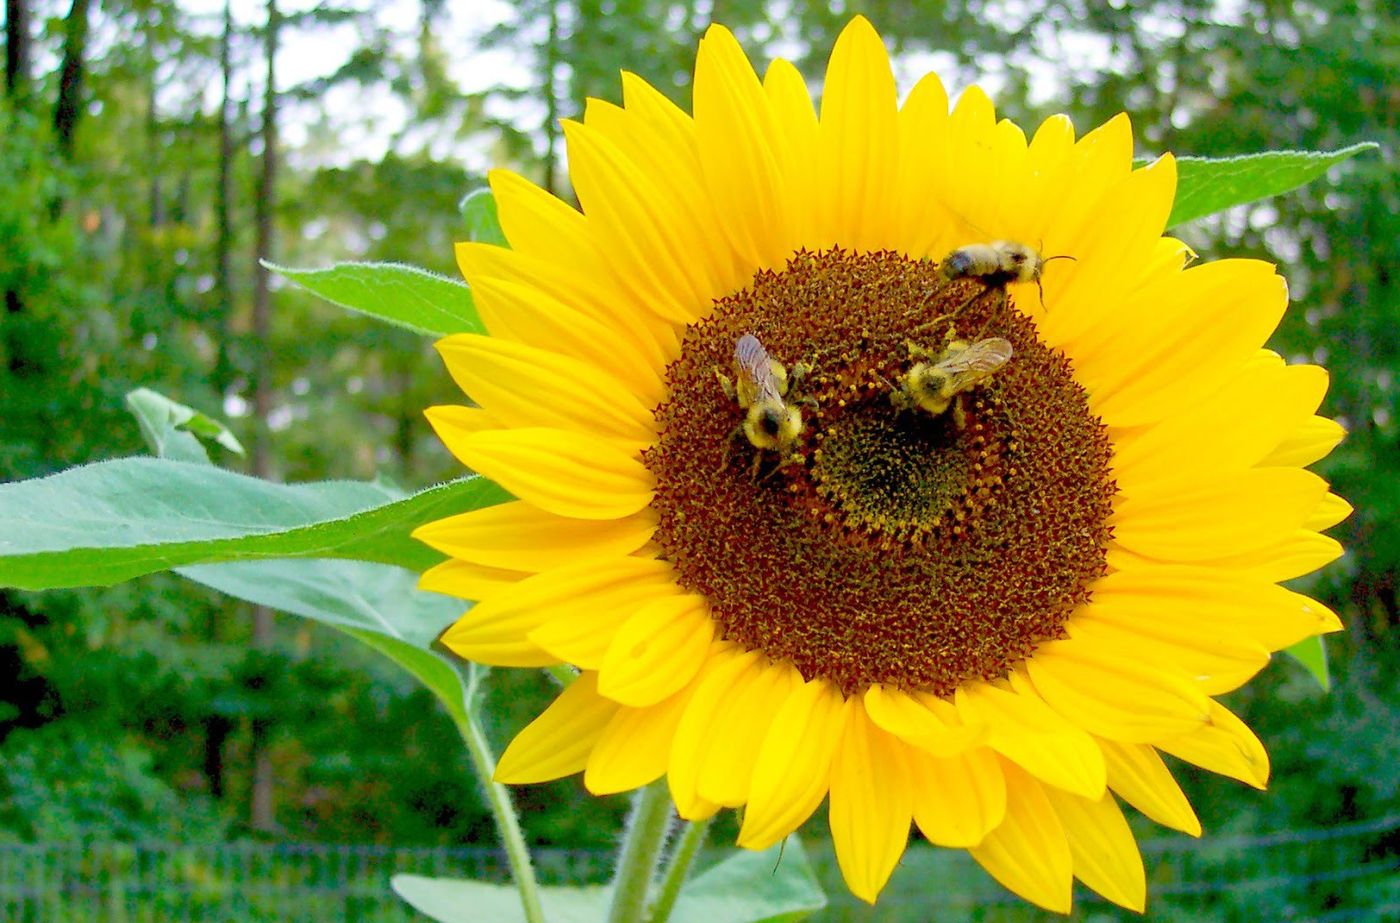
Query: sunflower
[(802, 544)]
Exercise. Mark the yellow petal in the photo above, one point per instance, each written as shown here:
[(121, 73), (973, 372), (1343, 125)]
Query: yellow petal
[(497, 640), (741, 721), (872, 800), (557, 743), (922, 122), (1137, 775), (1098, 689), (1024, 729), (858, 141), (657, 650), (498, 628), (964, 176), (525, 313), (699, 729), (660, 139), (1102, 848), (737, 135), (635, 223), (451, 422), (1226, 746), (538, 224), (522, 537), (1123, 230), (958, 801), (1028, 852), (1309, 442), (588, 290), (1050, 165), (581, 607), (1241, 423), (526, 386), (467, 580), (1216, 659), (793, 770), (1154, 600), (921, 719), (566, 473), (1226, 515), (797, 138), (1332, 510), (633, 749), (1300, 552), (1156, 361)]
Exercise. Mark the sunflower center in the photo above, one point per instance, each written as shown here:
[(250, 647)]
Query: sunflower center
[(939, 511)]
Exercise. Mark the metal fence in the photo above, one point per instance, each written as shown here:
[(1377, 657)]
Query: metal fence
[(1330, 875), (245, 882)]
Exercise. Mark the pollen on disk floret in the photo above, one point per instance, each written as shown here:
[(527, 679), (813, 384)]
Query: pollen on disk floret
[(887, 544)]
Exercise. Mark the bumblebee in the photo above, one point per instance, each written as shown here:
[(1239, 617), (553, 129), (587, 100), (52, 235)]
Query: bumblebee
[(998, 263), (933, 384), (772, 422)]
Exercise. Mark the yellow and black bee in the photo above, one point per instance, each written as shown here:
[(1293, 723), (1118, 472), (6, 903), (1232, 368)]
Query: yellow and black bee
[(998, 263), (935, 383), (772, 422)]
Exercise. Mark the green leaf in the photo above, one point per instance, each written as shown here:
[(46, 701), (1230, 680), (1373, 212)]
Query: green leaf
[(753, 887), (457, 900), (1311, 653), (744, 888), (478, 209), (173, 430), (104, 523), (403, 295), (1208, 185), (359, 596)]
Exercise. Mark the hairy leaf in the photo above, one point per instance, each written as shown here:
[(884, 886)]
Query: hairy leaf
[(104, 523), (1312, 654), (1208, 185), (173, 430), (402, 295), (478, 209)]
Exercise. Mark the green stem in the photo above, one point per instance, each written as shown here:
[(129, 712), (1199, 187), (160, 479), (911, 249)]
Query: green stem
[(507, 822), (682, 857), (641, 848)]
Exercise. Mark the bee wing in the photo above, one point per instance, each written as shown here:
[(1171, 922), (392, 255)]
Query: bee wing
[(755, 367), (969, 366)]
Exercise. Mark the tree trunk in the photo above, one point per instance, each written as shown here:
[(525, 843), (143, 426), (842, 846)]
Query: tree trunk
[(17, 45), (17, 90), (217, 727), (551, 100), (70, 81), (263, 810)]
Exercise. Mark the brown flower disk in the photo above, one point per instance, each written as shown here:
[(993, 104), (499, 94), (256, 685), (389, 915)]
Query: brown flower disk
[(903, 548)]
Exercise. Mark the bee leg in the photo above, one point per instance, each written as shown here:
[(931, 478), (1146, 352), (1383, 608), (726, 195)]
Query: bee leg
[(959, 413), (726, 384), (800, 370), (753, 469), (729, 446), (916, 351), (787, 462)]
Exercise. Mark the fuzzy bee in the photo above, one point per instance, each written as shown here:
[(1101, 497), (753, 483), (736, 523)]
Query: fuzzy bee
[(998, 263), (936, 383), (772, 421)]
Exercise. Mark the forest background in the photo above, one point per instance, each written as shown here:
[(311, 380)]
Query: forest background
[(150, 151)]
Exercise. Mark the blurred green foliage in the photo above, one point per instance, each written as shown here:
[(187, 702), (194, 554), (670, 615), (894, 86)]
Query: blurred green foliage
[(146, 693)]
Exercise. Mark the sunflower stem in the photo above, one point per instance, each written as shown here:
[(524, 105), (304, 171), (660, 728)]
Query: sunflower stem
[(502, 808), (641, 849), (678, 868)]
